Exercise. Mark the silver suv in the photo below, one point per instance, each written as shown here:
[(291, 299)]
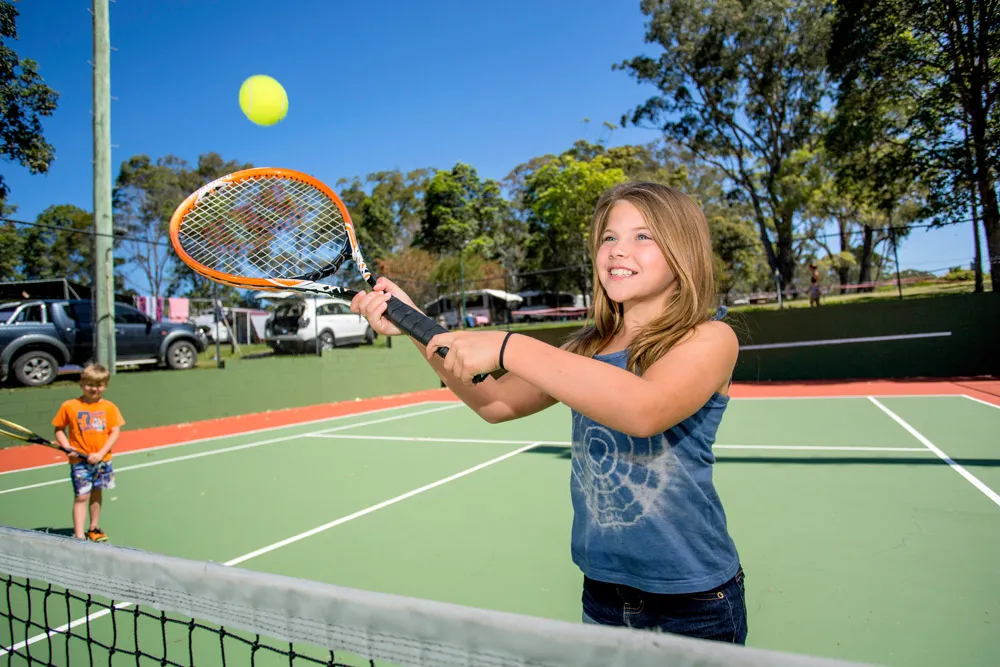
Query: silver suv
[(305, 323)]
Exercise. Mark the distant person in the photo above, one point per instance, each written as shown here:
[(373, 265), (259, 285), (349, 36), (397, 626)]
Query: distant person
[(90, 424), (814, 288), (647, 385)]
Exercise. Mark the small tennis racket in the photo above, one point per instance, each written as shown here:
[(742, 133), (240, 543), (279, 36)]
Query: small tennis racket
[(277, 229), (18, 432)]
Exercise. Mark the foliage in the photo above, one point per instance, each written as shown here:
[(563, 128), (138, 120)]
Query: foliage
[(741, 85), (474, 273), (24, 100), (386, 209), (411, 269), (60, 246), (145, 196), (459, 210), (10, 252), (560, 197), (936, 64)]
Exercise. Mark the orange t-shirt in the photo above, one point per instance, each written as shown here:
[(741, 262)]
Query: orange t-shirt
[(89, 424)]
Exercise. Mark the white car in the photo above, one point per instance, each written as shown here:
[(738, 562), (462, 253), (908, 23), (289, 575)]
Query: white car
[(304, 323)]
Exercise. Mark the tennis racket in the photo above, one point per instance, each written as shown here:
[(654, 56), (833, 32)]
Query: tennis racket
[(18, 432), (277, 229)]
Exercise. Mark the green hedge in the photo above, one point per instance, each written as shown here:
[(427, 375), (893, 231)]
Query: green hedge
[(971, 348), (972, 322)]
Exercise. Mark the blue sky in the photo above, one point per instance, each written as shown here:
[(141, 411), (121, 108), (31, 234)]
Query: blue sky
[(372, 86)]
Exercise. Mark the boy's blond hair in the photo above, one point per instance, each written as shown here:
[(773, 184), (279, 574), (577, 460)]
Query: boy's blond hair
[(96, 375)]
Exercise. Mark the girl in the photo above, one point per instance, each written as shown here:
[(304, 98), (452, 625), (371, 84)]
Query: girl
[(647, 384)]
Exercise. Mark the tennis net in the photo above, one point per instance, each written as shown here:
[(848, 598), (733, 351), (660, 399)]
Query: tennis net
[(69, 602)]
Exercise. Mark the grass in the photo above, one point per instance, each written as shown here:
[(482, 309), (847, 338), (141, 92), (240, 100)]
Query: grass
[(911, 291)]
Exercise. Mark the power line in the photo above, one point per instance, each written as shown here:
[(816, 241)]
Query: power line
[(88, 232), (798, 238)]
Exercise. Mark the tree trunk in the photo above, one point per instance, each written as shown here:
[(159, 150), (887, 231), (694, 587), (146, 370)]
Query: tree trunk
[(978, 262), (843, 270), (786, 256), (991, 223), (987, 188), (867, 252)]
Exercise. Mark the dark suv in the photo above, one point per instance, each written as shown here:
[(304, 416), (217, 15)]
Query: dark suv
[(39, 337)]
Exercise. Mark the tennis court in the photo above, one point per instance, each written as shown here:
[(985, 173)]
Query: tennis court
[(868, 525)]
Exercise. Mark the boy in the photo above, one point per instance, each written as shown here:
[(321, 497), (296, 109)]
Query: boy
[(90, 424)]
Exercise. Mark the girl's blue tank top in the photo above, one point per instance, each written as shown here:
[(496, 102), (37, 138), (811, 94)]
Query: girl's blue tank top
[(646, 512)]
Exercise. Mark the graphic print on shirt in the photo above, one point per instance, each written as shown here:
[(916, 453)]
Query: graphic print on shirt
[(91, 421), (622, 481)]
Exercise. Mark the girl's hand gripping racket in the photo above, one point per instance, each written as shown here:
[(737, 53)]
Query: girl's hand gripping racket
[(278, 229), (18, 432)]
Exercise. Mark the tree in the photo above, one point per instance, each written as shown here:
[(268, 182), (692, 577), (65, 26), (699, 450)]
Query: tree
[(373, 220), (413, 270), (184, 281), (24, 100), (397, 194), (561, 197), (10, 245), (60, 245), (736, 248), (741, 84), (939, 61), (458, 209), (474, 273), (145, 197)]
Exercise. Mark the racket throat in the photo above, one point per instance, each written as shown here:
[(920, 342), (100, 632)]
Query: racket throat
[(327, 270)]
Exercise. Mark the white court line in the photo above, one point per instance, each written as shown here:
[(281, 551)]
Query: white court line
[(234, 448), (844, 341), (385, 503), (979, 400), (413, 438), (287, 541), (241, 433), (972, 479)]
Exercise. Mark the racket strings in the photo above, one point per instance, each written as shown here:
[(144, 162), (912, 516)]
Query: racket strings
[(264, 227)]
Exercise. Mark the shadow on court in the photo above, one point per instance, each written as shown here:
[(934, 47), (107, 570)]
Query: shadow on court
[(860, 460), (563, 452), (65, 532)]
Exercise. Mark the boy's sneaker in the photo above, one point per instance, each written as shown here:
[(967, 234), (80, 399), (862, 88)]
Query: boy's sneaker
[(96, 535)]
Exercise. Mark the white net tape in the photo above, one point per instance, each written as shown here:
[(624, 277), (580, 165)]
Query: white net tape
[(381, 627)]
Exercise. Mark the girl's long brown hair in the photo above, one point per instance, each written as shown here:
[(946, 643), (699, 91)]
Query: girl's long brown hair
[(678, 226)]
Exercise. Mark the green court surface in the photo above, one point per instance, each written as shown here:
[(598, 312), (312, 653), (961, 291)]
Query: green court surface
[(868, 527)]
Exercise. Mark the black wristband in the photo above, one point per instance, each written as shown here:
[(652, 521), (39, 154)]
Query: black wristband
[(502, 346)]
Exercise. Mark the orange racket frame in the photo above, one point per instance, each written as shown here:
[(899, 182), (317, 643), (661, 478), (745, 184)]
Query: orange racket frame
[(408, 319)]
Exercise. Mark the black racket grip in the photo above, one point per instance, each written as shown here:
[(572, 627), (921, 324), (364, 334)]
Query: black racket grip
[(419, 326)]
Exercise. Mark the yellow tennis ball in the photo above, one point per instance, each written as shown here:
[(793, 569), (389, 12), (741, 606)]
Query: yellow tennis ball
[(263, 100)]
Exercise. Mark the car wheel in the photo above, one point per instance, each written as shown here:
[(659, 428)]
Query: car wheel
[(326, 340), (369, 336), (182, 355), (36, 368)]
